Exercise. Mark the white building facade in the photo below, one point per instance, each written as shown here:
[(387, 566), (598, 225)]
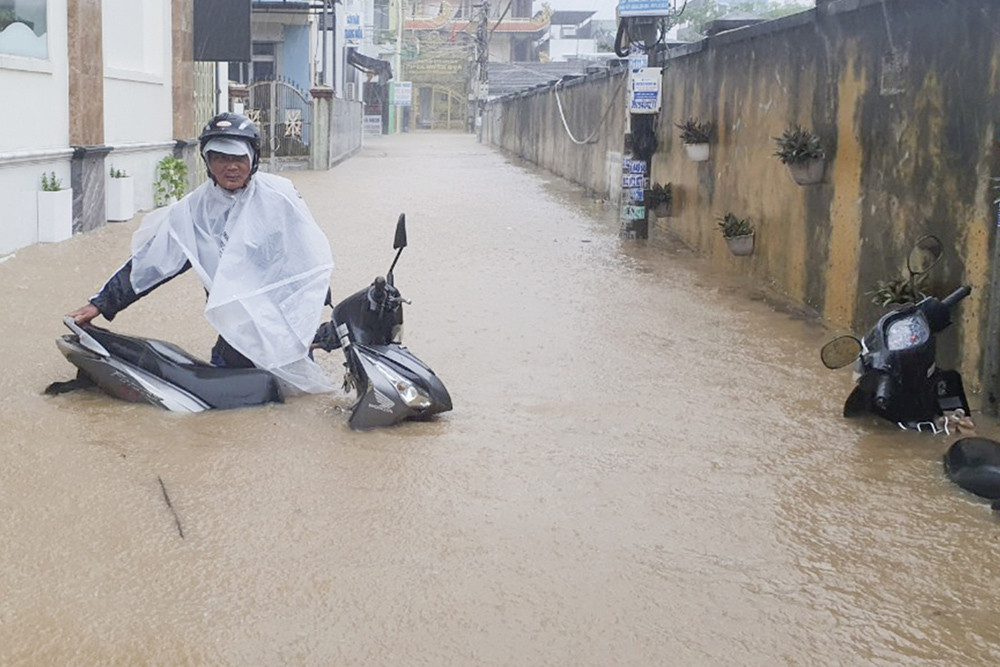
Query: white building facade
[(87, 85)]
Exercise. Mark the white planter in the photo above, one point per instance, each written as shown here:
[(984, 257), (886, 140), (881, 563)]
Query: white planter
[(696, 152), (55, 216), (740, 245), (120, 199), (808, 172)]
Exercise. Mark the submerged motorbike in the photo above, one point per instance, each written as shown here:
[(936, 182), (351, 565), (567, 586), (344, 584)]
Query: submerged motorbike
[(391, 383), (896, 374)]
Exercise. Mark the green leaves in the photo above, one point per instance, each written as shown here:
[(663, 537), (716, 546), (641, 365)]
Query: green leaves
[(50, 183), (797, 144), (731, 226), (694, 132), (171, 180)]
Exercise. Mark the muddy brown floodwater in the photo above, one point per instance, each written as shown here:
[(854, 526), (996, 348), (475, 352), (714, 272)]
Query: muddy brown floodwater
[(645, 465)]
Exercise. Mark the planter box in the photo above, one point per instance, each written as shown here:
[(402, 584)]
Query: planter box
[(696, 152), (120, 199), (740, 245), (663, 210), (809, 172), (55, 216)]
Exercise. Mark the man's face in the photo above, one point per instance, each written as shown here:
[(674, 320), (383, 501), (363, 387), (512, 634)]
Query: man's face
[(230, 171)]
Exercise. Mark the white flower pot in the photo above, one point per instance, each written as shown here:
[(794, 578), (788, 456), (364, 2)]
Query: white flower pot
[(740, 245), (696, 152), (121, 199), (55, 216), (808, 172)]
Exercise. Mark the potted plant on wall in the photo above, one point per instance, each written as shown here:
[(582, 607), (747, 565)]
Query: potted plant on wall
[(738, 233), (659, 199), (55, 210), (696, 136), (171, 180), (121, 196), (802, 152)]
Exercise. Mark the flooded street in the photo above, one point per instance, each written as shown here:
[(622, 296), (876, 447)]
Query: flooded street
[(645, 465)]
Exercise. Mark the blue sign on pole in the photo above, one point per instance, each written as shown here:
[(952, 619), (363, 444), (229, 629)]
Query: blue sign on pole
[(645, 7)]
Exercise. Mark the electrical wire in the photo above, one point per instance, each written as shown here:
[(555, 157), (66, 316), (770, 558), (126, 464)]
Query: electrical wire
[(562, 114)]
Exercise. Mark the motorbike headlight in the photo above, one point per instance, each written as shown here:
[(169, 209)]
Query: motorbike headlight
[(410, 393), (907, 333)]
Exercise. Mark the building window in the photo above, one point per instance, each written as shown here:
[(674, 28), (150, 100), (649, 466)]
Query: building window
[(24, 28), (262, 67)]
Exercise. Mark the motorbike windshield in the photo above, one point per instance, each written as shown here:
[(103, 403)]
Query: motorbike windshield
[(907, 332)]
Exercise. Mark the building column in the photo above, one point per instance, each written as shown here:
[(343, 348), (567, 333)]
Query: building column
[(182, 47), (322, 116), (86, 113)]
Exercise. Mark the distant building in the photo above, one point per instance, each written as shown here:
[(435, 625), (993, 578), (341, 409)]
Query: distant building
[(571, 34), (444, 44)]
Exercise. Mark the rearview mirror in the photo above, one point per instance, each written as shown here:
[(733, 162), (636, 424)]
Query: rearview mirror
[(925, 254), (400, 241), (840, 351)]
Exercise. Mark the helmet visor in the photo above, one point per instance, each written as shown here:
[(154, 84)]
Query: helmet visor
[(228, 146)]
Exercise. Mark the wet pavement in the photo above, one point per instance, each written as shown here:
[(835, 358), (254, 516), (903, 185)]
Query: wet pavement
[(645, 465)]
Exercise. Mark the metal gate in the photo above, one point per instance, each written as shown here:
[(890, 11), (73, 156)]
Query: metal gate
[(284, 115), (441, 107)]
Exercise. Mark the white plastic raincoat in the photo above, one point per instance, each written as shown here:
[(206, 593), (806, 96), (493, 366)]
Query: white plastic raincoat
[(264, 262)]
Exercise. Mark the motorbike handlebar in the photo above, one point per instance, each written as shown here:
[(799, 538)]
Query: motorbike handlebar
[(882, 392), (956, 296)]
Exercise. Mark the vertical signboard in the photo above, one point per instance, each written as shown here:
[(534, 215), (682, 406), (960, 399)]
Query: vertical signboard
[(645, 90), (635, 182), (353, 32), (402, 93)]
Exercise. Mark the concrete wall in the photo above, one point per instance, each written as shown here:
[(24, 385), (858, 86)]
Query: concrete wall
[(905, 97), (345, 129), (531, 126)]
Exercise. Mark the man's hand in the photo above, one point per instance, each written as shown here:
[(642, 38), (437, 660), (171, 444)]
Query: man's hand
[(85, 314)]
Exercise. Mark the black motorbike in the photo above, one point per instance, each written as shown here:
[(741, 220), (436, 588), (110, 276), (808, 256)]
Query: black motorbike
[(391, 383), (897, 376)]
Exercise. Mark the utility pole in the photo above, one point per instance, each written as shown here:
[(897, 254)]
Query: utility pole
[(642, 29), (481, 74)]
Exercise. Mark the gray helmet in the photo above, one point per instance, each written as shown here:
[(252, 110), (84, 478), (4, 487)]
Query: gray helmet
[(232, 126)]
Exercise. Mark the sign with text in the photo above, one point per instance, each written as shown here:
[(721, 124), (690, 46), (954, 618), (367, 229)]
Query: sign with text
[(633, 195), (646, 7), (402, 93), (353, 33), (372, 126), (630, 181), (633, 213), (645, 97), (630, 166)]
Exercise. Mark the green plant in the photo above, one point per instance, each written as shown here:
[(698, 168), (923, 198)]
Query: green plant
[(50, 183), (118, 173), (658, 194), (695, 132), (171, 180), (796, 145), (898, 290), (732, 226)]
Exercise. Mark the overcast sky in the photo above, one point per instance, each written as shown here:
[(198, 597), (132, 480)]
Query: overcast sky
[(606, 8)]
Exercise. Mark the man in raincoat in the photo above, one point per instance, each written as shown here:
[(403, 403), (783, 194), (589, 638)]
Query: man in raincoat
[(253, 243)]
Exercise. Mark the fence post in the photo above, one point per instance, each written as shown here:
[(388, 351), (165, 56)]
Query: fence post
[(322, 115)]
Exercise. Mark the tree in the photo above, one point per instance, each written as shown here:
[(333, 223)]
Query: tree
[(700, 12)]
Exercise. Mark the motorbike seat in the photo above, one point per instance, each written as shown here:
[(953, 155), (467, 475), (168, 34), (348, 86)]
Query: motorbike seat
[(221, 388)]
